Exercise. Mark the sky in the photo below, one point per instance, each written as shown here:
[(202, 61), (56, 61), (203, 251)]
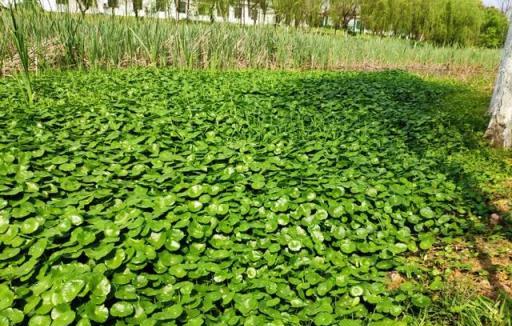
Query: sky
[(492, 2)]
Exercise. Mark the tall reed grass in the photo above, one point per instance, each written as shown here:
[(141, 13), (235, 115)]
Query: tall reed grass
[(20, 44), (60, 40)]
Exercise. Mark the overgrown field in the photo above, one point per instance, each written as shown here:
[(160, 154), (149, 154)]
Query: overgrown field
[(65, 41), (162, 197)]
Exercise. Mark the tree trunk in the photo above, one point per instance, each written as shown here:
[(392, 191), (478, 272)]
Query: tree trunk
[(82, 8), (499, 132), (243, 13), (212, 14)]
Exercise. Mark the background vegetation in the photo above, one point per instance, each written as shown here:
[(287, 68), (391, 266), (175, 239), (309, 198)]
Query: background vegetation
[(443, 22), (54, 40), (463, 22)]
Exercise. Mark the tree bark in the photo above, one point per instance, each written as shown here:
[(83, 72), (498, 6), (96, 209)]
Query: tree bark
[(499, 132)]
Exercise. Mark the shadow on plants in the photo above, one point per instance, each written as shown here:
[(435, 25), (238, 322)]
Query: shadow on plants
[(440, 125)]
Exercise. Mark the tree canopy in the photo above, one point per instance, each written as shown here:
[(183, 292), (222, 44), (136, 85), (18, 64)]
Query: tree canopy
[(445, 22)]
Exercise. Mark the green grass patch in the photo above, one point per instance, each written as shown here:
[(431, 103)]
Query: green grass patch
[(157, 196)]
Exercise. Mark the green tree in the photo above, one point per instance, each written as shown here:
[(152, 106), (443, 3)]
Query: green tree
[(298, 12), (342, 12), (137, 6), (84, 5), (309, 12), (494, 29), (440, 21), (161, 5), (222, 7), (285, 10), (374, 16), (418, 19), (113, 4), (264, 6)]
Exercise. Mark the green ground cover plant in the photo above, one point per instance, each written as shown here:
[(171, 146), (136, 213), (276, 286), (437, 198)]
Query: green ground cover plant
[(158, 197)]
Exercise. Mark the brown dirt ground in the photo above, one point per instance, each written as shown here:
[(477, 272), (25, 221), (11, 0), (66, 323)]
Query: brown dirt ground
[(483, 264)]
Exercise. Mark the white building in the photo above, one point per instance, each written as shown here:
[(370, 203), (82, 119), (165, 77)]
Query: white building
[(174, 9)]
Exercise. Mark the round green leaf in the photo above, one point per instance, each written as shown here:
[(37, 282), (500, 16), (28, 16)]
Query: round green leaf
[(421, 301), (324, 318), (427, 212), (30, 225), (6, 297), (173, 312), (40, 321), (121, 309), (62, 315), (356, 291)]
